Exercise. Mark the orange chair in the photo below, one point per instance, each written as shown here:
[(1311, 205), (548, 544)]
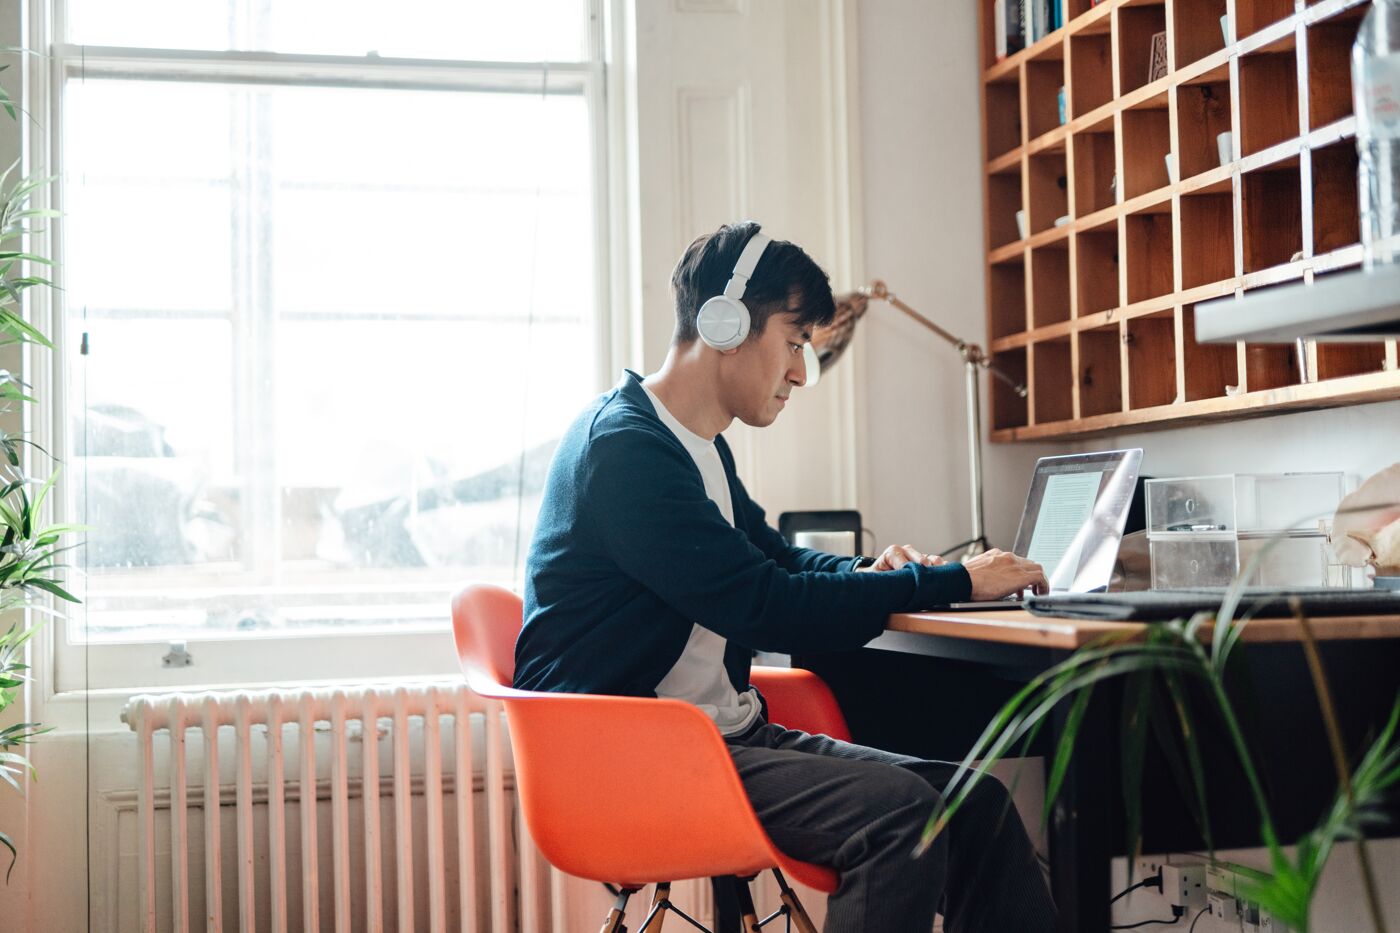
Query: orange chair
[(632, 791)]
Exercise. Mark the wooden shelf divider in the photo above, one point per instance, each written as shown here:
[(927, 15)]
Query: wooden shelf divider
[(1132, 216)]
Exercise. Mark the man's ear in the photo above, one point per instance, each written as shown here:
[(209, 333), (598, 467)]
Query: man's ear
[(730, 352)]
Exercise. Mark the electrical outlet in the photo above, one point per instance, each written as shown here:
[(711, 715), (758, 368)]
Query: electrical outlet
[(1267, 923), (1220, 878)]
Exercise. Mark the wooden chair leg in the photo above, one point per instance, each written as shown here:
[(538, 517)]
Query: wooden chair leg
[(657, 916), (797, 911), (748, 915), (613, 922)]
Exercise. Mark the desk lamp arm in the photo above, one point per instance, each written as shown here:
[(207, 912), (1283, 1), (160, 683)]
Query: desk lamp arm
[(973, 359), (970, 352)]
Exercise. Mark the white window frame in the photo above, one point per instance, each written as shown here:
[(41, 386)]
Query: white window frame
[(75, 669)]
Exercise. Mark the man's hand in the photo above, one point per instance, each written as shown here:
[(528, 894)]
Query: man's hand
[(997, 573), (897, 555)]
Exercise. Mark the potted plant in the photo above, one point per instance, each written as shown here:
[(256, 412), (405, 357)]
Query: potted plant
[(1165, 671), (30, 550)]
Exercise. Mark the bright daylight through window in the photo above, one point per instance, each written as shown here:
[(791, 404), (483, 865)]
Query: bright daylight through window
[(337, 276)]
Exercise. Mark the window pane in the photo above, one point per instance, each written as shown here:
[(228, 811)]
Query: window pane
[(155, 445), (329, 366), (150, 196), (465, 30)]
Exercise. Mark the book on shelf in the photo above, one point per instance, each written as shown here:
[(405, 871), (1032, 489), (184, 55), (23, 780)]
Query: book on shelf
[(1044, 16), (1009, 21), (999, 28)]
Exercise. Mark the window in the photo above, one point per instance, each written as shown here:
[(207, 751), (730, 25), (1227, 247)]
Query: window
[(333, 291)]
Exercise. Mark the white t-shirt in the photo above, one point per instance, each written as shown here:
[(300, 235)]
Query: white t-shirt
[(699, 675)]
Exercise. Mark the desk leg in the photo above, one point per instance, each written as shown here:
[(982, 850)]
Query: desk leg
[(1080, 841)]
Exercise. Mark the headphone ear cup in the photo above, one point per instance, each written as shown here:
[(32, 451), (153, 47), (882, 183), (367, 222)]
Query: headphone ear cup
[(723, 322)]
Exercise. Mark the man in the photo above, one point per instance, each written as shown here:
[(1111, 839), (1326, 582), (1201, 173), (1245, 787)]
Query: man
[(652, 573)]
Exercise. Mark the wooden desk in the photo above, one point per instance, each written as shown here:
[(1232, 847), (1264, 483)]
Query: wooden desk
[(1019, 627), (896, 690)]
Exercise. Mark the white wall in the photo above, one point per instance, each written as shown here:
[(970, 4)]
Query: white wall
[(922, 196), (922, 199)]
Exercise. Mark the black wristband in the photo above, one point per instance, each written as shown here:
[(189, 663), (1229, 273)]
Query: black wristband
[(862, 562)]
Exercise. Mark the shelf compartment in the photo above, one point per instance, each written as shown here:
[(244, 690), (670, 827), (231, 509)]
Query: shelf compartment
[(1329, 66), (1006, 296), (1100, 373), (1207, 238), (1009, 410), (1090, 71), (1272, 223), (1049, 189), (1094, 168), (1144, 162), (1076, 8), (1003, 115), (1254, 15), (1136, 27), (1202, 114), (1209, 367), (1052, 380), (1045, 77), (1339, 360), (1050, 284), (1268, 97), (1003, 201), (1150, 259), (1096, 269), (1197, 29), (1152, 360), (1335, 204), (1271, 366)]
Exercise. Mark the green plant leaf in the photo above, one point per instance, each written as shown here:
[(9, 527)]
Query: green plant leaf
[(8, 843), (49, 586), (1136, 722)]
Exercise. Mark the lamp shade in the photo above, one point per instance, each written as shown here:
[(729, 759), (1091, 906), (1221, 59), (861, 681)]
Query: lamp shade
[(829, 342)]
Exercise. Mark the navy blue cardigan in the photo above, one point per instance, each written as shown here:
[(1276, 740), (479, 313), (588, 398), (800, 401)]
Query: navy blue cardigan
[(629, 552)]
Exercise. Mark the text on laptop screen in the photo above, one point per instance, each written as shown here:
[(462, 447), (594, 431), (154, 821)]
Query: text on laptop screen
[(1074, 517)]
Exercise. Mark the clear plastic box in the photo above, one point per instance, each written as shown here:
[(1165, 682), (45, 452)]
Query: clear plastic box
[(1204, 530)]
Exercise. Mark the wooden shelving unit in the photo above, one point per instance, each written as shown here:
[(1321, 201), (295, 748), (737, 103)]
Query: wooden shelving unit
[(1094, 308)]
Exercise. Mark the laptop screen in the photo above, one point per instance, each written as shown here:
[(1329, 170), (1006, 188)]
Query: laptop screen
[(1074, 517)]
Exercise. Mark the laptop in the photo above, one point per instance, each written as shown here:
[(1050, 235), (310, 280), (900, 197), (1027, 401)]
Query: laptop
[(1072, 522)]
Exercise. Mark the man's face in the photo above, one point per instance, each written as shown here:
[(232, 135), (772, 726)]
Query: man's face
[(761, 373)]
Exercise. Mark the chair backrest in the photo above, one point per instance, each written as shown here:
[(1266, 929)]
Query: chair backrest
[(486, 622)]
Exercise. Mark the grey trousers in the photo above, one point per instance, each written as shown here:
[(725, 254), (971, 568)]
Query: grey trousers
[(861, 811)]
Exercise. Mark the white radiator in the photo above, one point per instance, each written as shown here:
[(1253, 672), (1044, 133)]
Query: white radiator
[(462, 872)]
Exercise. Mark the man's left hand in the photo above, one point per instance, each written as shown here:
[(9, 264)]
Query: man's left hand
[(897, 555)]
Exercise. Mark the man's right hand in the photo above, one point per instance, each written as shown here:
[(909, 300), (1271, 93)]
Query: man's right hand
[(997, 573)]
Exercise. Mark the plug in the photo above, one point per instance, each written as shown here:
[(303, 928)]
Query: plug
[(1184, 886), (1223, 907)]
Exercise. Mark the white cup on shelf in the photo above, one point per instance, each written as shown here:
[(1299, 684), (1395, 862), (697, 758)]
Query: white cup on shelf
[(1170, 160), (1225, 28), (1021, 223), (1225, 145)]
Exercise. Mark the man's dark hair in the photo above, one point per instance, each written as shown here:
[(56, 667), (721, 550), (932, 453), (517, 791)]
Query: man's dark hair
[(785, 279)]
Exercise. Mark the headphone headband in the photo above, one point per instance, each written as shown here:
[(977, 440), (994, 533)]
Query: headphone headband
[(743, 269)]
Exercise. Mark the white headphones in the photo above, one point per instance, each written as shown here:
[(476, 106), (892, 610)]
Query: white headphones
[(723, 321)]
